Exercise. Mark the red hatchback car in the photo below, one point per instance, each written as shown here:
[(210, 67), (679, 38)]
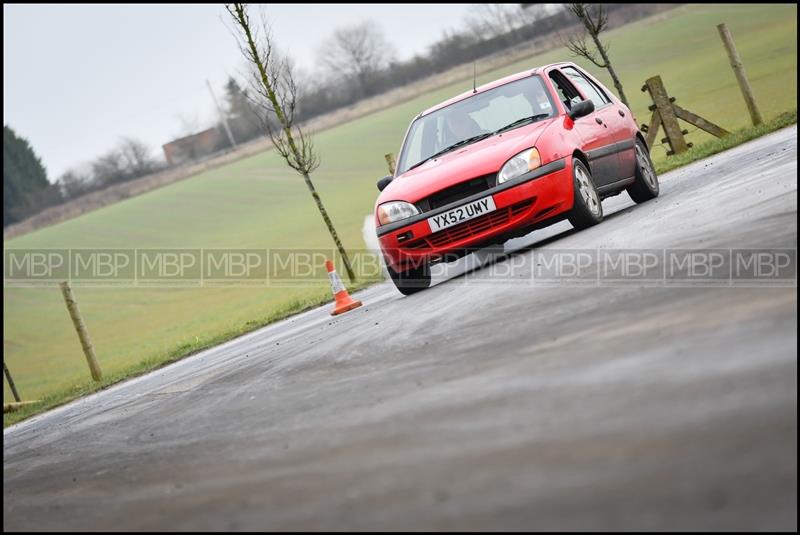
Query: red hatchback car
[(497, 162)]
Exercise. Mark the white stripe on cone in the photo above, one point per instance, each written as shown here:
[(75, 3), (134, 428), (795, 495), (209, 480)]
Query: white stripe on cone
[(336, 282)]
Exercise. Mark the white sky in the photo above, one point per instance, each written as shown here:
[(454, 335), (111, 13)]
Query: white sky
[(76, 78)]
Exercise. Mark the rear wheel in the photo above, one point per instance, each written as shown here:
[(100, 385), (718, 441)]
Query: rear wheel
[(645, 187), (413, 280), (587, 210)]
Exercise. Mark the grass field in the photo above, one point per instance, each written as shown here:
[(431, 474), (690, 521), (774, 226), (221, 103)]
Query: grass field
[(257, 202)]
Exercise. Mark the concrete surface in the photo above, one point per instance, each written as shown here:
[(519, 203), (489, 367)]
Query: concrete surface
[(485, 402)]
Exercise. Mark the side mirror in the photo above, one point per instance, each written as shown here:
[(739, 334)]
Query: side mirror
[(382, 183), (581, 109)]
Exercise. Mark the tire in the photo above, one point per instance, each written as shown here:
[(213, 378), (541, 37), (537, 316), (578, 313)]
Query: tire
[(645, 187), (411, 281), (587, 209)]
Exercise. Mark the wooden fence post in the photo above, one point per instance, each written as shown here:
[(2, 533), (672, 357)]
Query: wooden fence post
[(741, 77), (11, 382), (669, 122), (390, 162), (80, 328), (666, 114)]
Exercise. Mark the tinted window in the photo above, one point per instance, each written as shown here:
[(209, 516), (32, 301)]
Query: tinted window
[(587, 87)]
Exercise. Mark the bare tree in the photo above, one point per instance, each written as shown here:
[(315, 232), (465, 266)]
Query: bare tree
[(488, 21), (594, 19), (276, 90), (359, 52), (75, 182), (109, 168), (137, 157)]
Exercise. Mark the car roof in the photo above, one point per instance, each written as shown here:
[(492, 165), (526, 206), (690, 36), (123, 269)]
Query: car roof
[(491, 85)]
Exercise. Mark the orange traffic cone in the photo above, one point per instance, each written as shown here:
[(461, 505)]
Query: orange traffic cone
[(343, 300)]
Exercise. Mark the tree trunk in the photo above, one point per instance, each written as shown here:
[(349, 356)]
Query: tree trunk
[(611, 71), (242, 19), (350, 274)]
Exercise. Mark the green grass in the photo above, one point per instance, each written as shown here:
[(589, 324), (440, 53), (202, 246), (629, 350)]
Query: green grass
[(189, 347), (258, 202), (715, 145)]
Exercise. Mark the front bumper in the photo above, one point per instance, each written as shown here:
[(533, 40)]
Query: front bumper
[(522, 202)]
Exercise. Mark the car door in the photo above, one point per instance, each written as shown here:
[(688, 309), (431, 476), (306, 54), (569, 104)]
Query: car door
[(595, 130), (613, 114)]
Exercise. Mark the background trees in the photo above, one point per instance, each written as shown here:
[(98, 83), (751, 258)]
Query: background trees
[(25, 183), (242, 113), (358, 52), (128, 160)]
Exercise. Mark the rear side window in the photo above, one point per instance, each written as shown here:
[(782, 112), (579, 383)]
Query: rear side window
[(589, 89)]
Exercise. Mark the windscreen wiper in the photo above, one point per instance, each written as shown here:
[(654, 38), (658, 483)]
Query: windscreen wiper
[(454, 146), (520, 122)]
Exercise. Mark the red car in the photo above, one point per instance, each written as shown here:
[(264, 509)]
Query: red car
[(497, 162)]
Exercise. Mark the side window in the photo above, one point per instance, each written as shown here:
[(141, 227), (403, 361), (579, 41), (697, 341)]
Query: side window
[(566, 91), (588, 88)]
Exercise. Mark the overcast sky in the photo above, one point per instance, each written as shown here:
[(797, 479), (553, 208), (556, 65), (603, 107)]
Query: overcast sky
[(77, 78)]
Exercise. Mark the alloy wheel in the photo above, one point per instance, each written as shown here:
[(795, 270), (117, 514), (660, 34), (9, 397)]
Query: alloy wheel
[(587, 191)]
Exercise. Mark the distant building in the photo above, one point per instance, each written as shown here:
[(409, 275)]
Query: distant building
[(193, 147)]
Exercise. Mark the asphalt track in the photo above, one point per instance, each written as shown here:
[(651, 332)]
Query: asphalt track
[(488, 401)]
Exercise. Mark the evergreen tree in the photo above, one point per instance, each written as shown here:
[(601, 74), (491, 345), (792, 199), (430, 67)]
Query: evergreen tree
[(243, 116), (24, 177)]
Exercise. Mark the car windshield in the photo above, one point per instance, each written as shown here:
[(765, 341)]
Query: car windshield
[(475, 118)]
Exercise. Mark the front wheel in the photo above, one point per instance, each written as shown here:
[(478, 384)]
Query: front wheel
[(412, 280), (645, 186), (587, 210)]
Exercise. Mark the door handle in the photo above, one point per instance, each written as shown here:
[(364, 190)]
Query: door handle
[(598, 120), (622, 113)]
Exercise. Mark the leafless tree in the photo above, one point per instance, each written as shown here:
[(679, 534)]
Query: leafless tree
[(594, 19), (276, 91), (109, 168), (75, 183), (488, 21), (358, 52), (137, 157)]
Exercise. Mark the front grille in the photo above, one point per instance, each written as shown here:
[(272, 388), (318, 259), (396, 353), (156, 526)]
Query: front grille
[(457, 192), (471, 228)]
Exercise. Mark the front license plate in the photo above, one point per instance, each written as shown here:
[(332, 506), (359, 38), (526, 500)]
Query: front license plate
[(462, 213)]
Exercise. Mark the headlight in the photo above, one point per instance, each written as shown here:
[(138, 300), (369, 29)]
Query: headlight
[(525, 161), (390, 212)]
